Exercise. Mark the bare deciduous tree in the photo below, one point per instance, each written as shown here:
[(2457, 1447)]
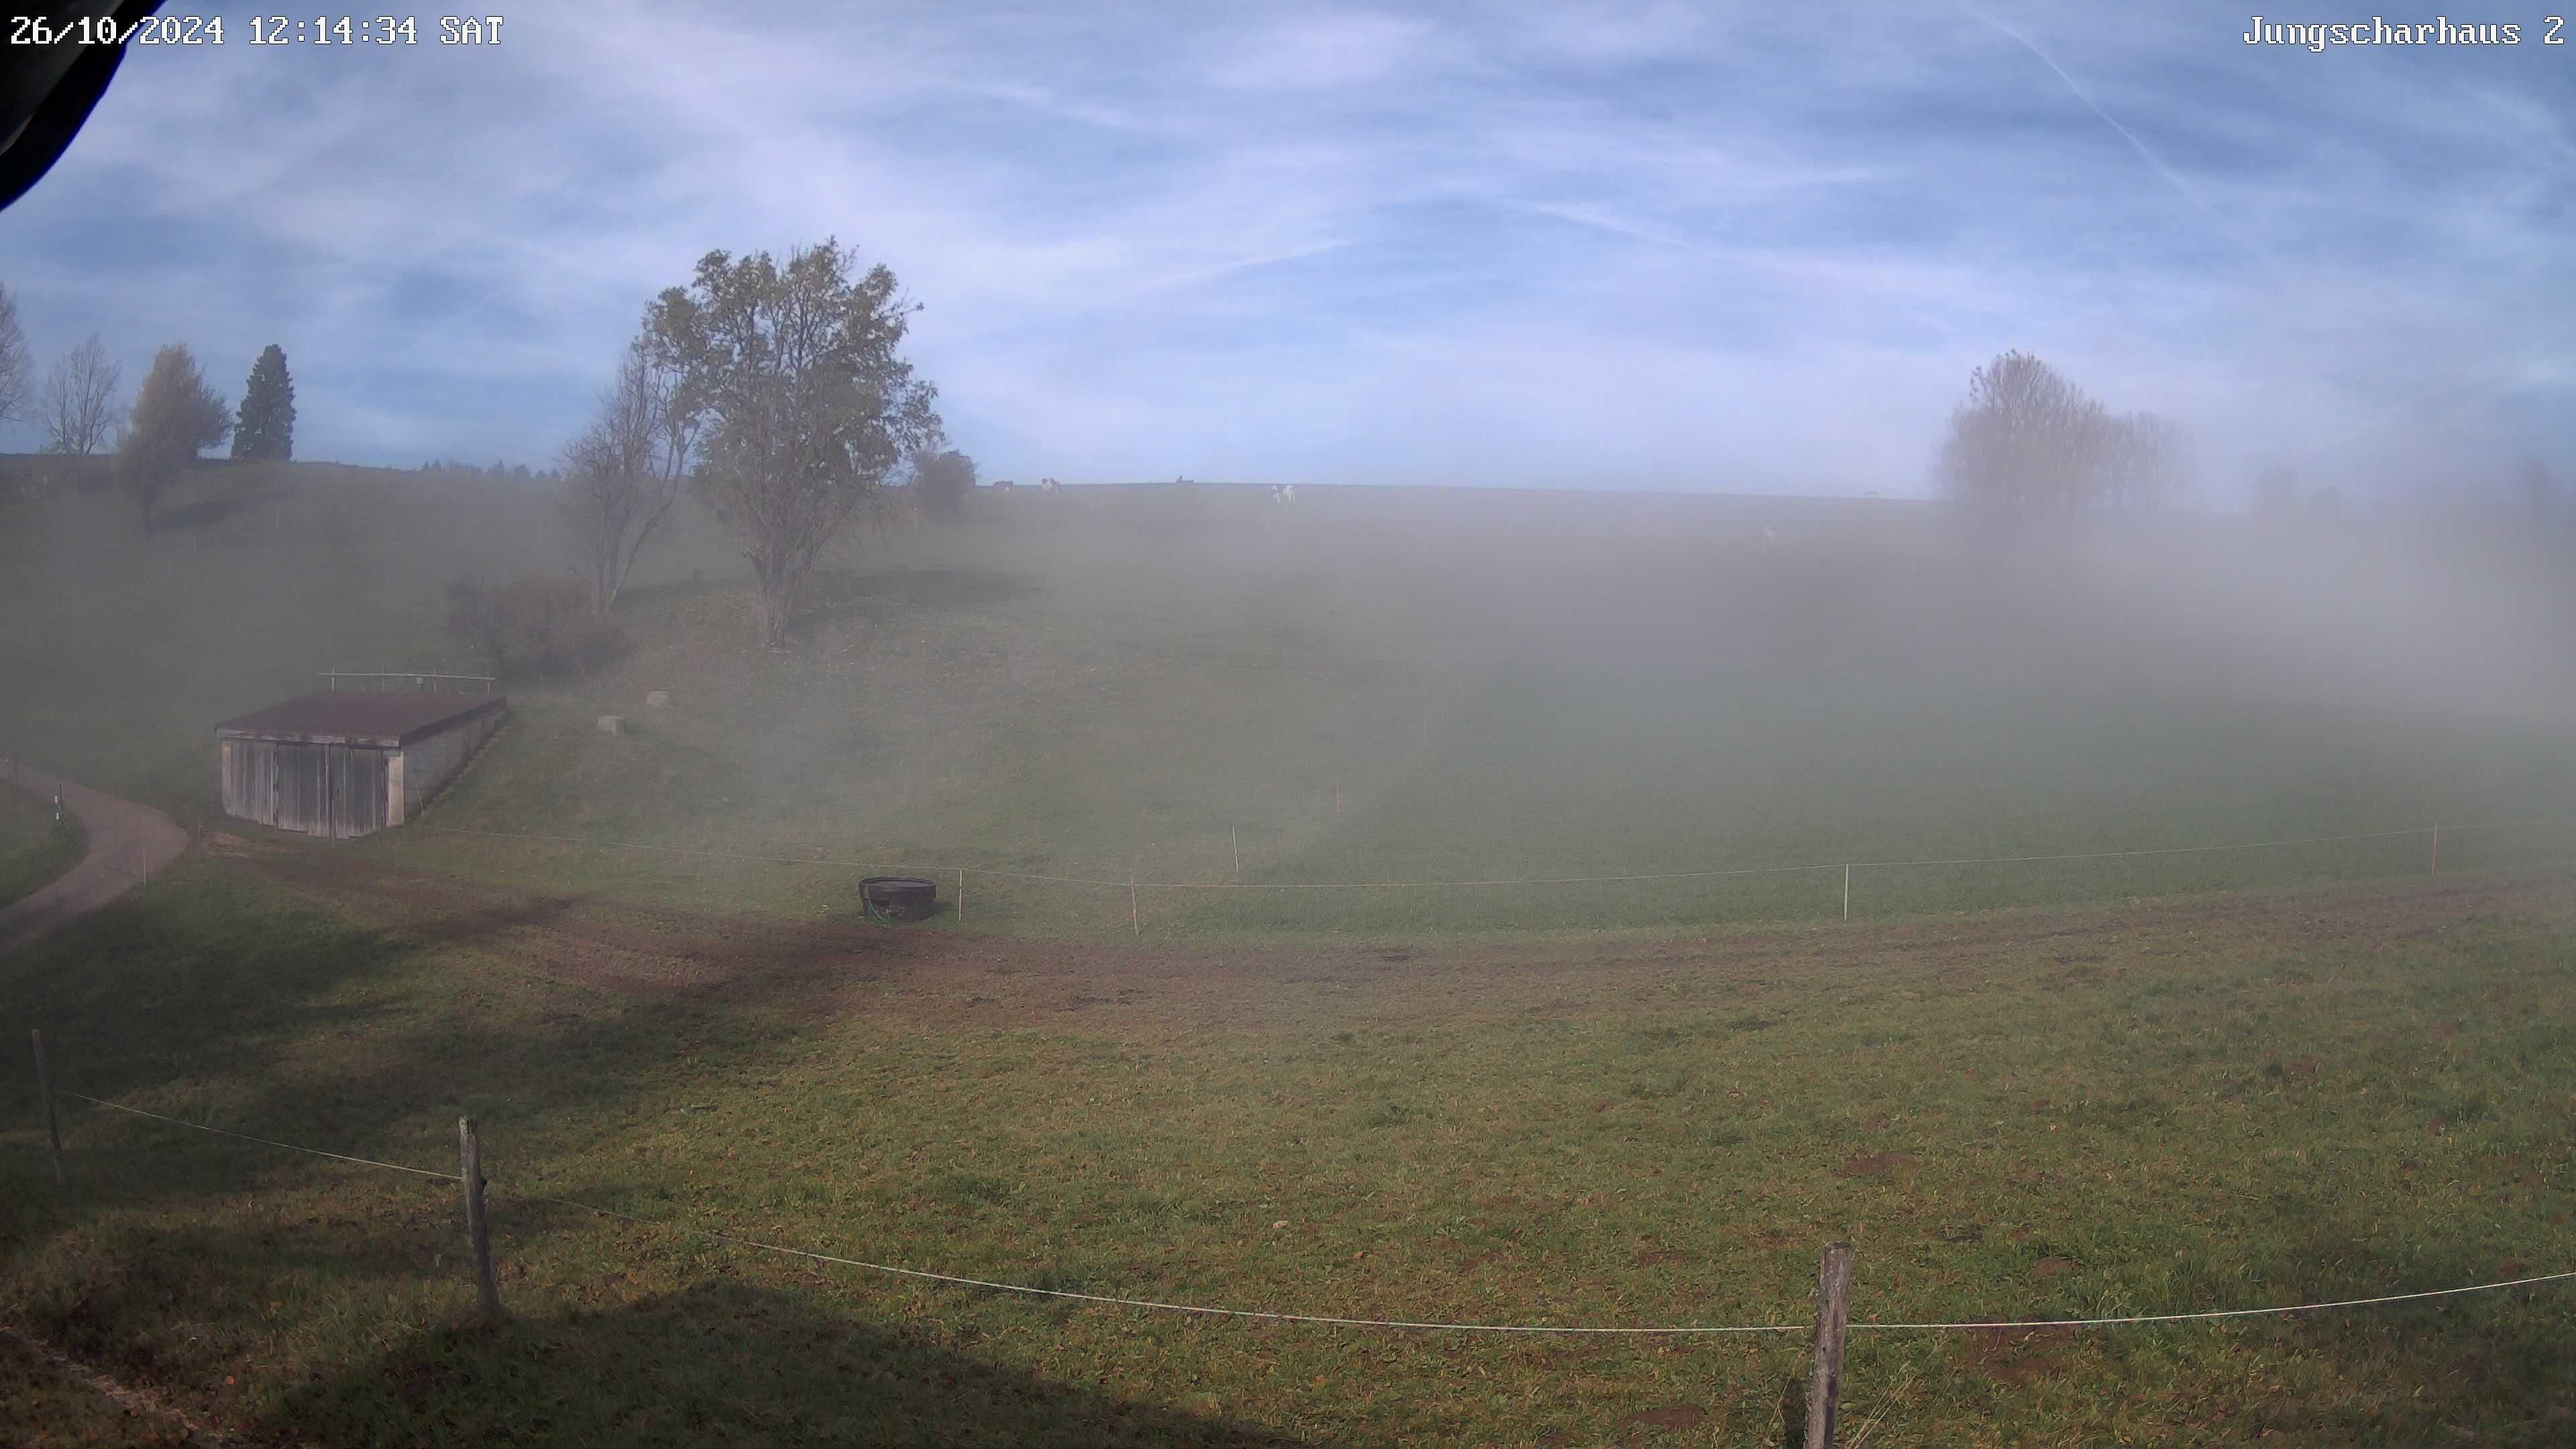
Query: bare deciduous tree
[(2146, 461), (78, 409), (2026, 443), (808, 401), (15, 364), (623, 474)]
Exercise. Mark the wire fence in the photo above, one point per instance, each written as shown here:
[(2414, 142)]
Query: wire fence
[(1329, 1320), (1842, 904), (2431, 834)]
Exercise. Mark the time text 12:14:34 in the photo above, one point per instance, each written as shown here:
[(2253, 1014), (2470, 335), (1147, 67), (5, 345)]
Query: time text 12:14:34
[(372, 30)]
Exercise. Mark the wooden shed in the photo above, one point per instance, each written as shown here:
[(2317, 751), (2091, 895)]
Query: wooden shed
[(345, 764)]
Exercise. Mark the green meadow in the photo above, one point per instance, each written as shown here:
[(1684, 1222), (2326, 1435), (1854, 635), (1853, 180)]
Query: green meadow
[(1433, 997)]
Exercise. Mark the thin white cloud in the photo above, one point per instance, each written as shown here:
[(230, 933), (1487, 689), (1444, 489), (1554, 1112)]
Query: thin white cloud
[(1325, 50)]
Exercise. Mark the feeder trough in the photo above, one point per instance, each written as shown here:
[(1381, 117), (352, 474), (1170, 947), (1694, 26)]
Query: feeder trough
[(897, 897)]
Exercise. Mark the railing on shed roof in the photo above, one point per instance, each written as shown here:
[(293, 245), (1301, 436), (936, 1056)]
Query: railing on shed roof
[(418, 683)]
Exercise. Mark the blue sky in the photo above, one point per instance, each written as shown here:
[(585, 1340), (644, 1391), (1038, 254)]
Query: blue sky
[(1653, 246)]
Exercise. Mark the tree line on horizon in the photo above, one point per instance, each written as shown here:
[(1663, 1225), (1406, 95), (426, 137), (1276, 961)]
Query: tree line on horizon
[(778, 396), (2028, 444), (175, 415)]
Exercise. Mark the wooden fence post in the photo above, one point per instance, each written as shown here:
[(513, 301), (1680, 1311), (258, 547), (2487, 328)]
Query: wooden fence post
[(1833, 1310), (961, 897), (45, 1089), (478, 1229), (1846, 892), (1235, 843), (2435, 868), (1135, 925)]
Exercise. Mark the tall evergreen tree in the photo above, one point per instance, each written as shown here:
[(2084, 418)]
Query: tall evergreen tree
[(267, 429)]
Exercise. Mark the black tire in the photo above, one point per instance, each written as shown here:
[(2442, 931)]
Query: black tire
[(895, 898)]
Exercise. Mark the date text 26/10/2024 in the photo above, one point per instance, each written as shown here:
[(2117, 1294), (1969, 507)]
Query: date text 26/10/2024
[(196, 30)]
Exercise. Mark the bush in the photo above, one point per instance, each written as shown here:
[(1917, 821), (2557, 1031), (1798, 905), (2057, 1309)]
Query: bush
[(941, 484), (539, 625)]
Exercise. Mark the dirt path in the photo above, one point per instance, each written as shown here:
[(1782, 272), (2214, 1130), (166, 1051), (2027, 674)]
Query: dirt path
[(127, 842), (1150, 989)]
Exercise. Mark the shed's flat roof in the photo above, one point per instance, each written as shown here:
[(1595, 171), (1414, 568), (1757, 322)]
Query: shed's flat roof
[(357, 717)]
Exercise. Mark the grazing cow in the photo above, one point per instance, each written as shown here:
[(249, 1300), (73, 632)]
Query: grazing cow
[(1288, 494), (1048, 485)]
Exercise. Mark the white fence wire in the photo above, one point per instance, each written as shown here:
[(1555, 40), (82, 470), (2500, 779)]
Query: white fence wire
[(1352, 1321), (2432, 832)]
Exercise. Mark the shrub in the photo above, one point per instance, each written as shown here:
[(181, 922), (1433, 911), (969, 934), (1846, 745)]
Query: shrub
[(941, 484), (538, 625)]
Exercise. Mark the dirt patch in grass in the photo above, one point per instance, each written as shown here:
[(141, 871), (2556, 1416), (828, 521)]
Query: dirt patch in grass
[(1678, 1418), (827, 969), (1872, 1164), (2013, 1356)]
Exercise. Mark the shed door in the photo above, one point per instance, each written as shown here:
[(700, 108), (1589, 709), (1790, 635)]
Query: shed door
[(357, 790), (303, 788)]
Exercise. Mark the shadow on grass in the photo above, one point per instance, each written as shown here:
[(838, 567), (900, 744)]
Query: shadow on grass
[(718, 1363), (216, 975)]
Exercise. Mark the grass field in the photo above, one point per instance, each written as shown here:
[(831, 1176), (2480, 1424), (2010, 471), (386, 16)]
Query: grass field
[(1341, 700), (1158, 684), (2162, 1109), (2163, 1082)]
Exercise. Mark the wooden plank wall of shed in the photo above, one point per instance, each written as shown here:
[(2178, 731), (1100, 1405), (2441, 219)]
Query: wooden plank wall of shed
[(250, 780), (357, 790), (428, 764), (333, 790)]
